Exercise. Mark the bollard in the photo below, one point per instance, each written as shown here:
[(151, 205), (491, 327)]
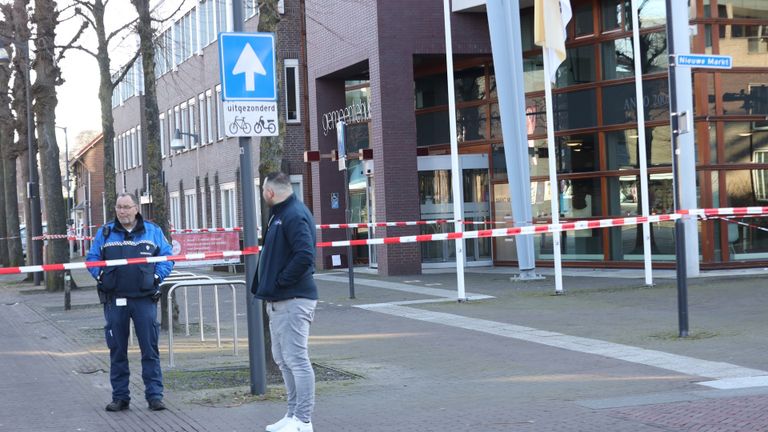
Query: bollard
[(67, 290)]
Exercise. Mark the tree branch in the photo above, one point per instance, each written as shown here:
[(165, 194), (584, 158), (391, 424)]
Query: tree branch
[(118, 31), (87, 18), (85, 50), (124, 71), (71, 43), (162, 20)]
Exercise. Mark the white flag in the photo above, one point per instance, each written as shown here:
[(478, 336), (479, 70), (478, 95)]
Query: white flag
[(549, 30)]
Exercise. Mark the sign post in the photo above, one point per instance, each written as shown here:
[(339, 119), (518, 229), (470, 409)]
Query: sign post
[(341, 129), (681, 122), (247, 67)]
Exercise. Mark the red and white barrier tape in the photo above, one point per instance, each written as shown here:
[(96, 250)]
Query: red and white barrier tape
[(205, 230), (499, 232), (757, 227), (60, 237), (409, 223), (122, 262)]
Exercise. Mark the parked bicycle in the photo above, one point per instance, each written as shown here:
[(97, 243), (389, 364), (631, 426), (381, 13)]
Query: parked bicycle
[(239, 124), (269, 125)]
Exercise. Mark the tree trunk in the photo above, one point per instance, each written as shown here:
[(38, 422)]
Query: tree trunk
[(6, 140), (154, 166), (48, 76), (271, 148), (15, 253), (21, 33), (151, 116), (106, 87)]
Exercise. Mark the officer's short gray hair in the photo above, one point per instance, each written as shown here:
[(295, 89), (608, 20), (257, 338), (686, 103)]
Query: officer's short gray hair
[(129, 195)]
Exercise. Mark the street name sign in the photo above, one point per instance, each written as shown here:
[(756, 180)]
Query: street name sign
[(248, 84), (704, 61)]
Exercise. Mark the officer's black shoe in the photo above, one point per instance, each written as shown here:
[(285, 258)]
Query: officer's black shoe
[(156, 405), (118, 405)]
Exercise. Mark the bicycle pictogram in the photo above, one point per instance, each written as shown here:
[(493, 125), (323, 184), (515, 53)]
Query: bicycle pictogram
[(239, 124), (270, 125)]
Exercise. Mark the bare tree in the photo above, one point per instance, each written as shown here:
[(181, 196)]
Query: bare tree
[(152, 120), (47, 77), (92, 12), (6, 140), (19, 22), (271, 148)]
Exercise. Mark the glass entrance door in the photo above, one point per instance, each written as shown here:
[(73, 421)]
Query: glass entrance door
[(436, 197)]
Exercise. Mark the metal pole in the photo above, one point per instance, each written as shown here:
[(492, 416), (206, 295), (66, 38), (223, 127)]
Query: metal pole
[(66, 181), (642, 156), (680, 263), (33, 188), (458, 201), (256, 349), (348, 216)]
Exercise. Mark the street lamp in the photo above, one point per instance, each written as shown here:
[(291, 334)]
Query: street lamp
[(66, 175), (35, 224), (70, 220), (177, 143)]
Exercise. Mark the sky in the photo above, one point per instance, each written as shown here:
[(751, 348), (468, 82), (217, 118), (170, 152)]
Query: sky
[(78, 109)]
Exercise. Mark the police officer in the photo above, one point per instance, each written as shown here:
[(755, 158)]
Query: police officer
[(131, 292)]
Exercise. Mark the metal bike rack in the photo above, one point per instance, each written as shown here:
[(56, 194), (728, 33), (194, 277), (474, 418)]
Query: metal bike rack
[(200, 283), (175, 276), (170, 280)]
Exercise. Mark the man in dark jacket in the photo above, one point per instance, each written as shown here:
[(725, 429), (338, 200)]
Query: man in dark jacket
[(284, 281), (131, 292)]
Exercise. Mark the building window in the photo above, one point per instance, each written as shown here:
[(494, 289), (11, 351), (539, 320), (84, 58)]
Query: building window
[(163, 138), (116, 152), (190, 209), (207, 23), (219, 114), (175, 209), (221, 19), (228, 205), (203, 122), (184, 114), (208, 116), (213, 206), (176, 121), (133, 149), (250, 7), (139, 146), (203, 208), (192, 123), (292, 104), (178, 41)]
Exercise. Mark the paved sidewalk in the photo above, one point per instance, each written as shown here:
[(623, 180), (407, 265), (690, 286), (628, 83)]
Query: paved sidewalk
[(603, 357)]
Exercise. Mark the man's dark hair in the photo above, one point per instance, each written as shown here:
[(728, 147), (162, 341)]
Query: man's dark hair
[(279, 178)]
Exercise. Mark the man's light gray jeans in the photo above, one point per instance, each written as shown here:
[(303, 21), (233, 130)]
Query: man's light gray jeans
[(289, 322)]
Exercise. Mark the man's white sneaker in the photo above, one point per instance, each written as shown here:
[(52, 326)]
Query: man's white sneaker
[(274, 427), (296, 425)]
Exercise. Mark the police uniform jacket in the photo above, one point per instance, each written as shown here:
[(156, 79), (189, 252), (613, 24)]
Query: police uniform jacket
[(144, 241)]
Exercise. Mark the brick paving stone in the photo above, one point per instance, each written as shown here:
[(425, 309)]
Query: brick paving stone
[(415, 375)]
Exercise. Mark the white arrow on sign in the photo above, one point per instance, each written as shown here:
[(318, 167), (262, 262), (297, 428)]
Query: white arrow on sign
[(249, 64)]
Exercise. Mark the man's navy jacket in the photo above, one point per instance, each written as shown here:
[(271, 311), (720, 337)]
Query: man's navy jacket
[(285, 270), (135, 280)]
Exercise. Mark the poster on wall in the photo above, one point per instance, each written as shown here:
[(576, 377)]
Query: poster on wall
[(188, 243)]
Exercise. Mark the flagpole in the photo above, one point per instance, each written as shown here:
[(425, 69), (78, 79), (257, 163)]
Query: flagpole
[(642, 156), (458, 200), (554, 190)]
